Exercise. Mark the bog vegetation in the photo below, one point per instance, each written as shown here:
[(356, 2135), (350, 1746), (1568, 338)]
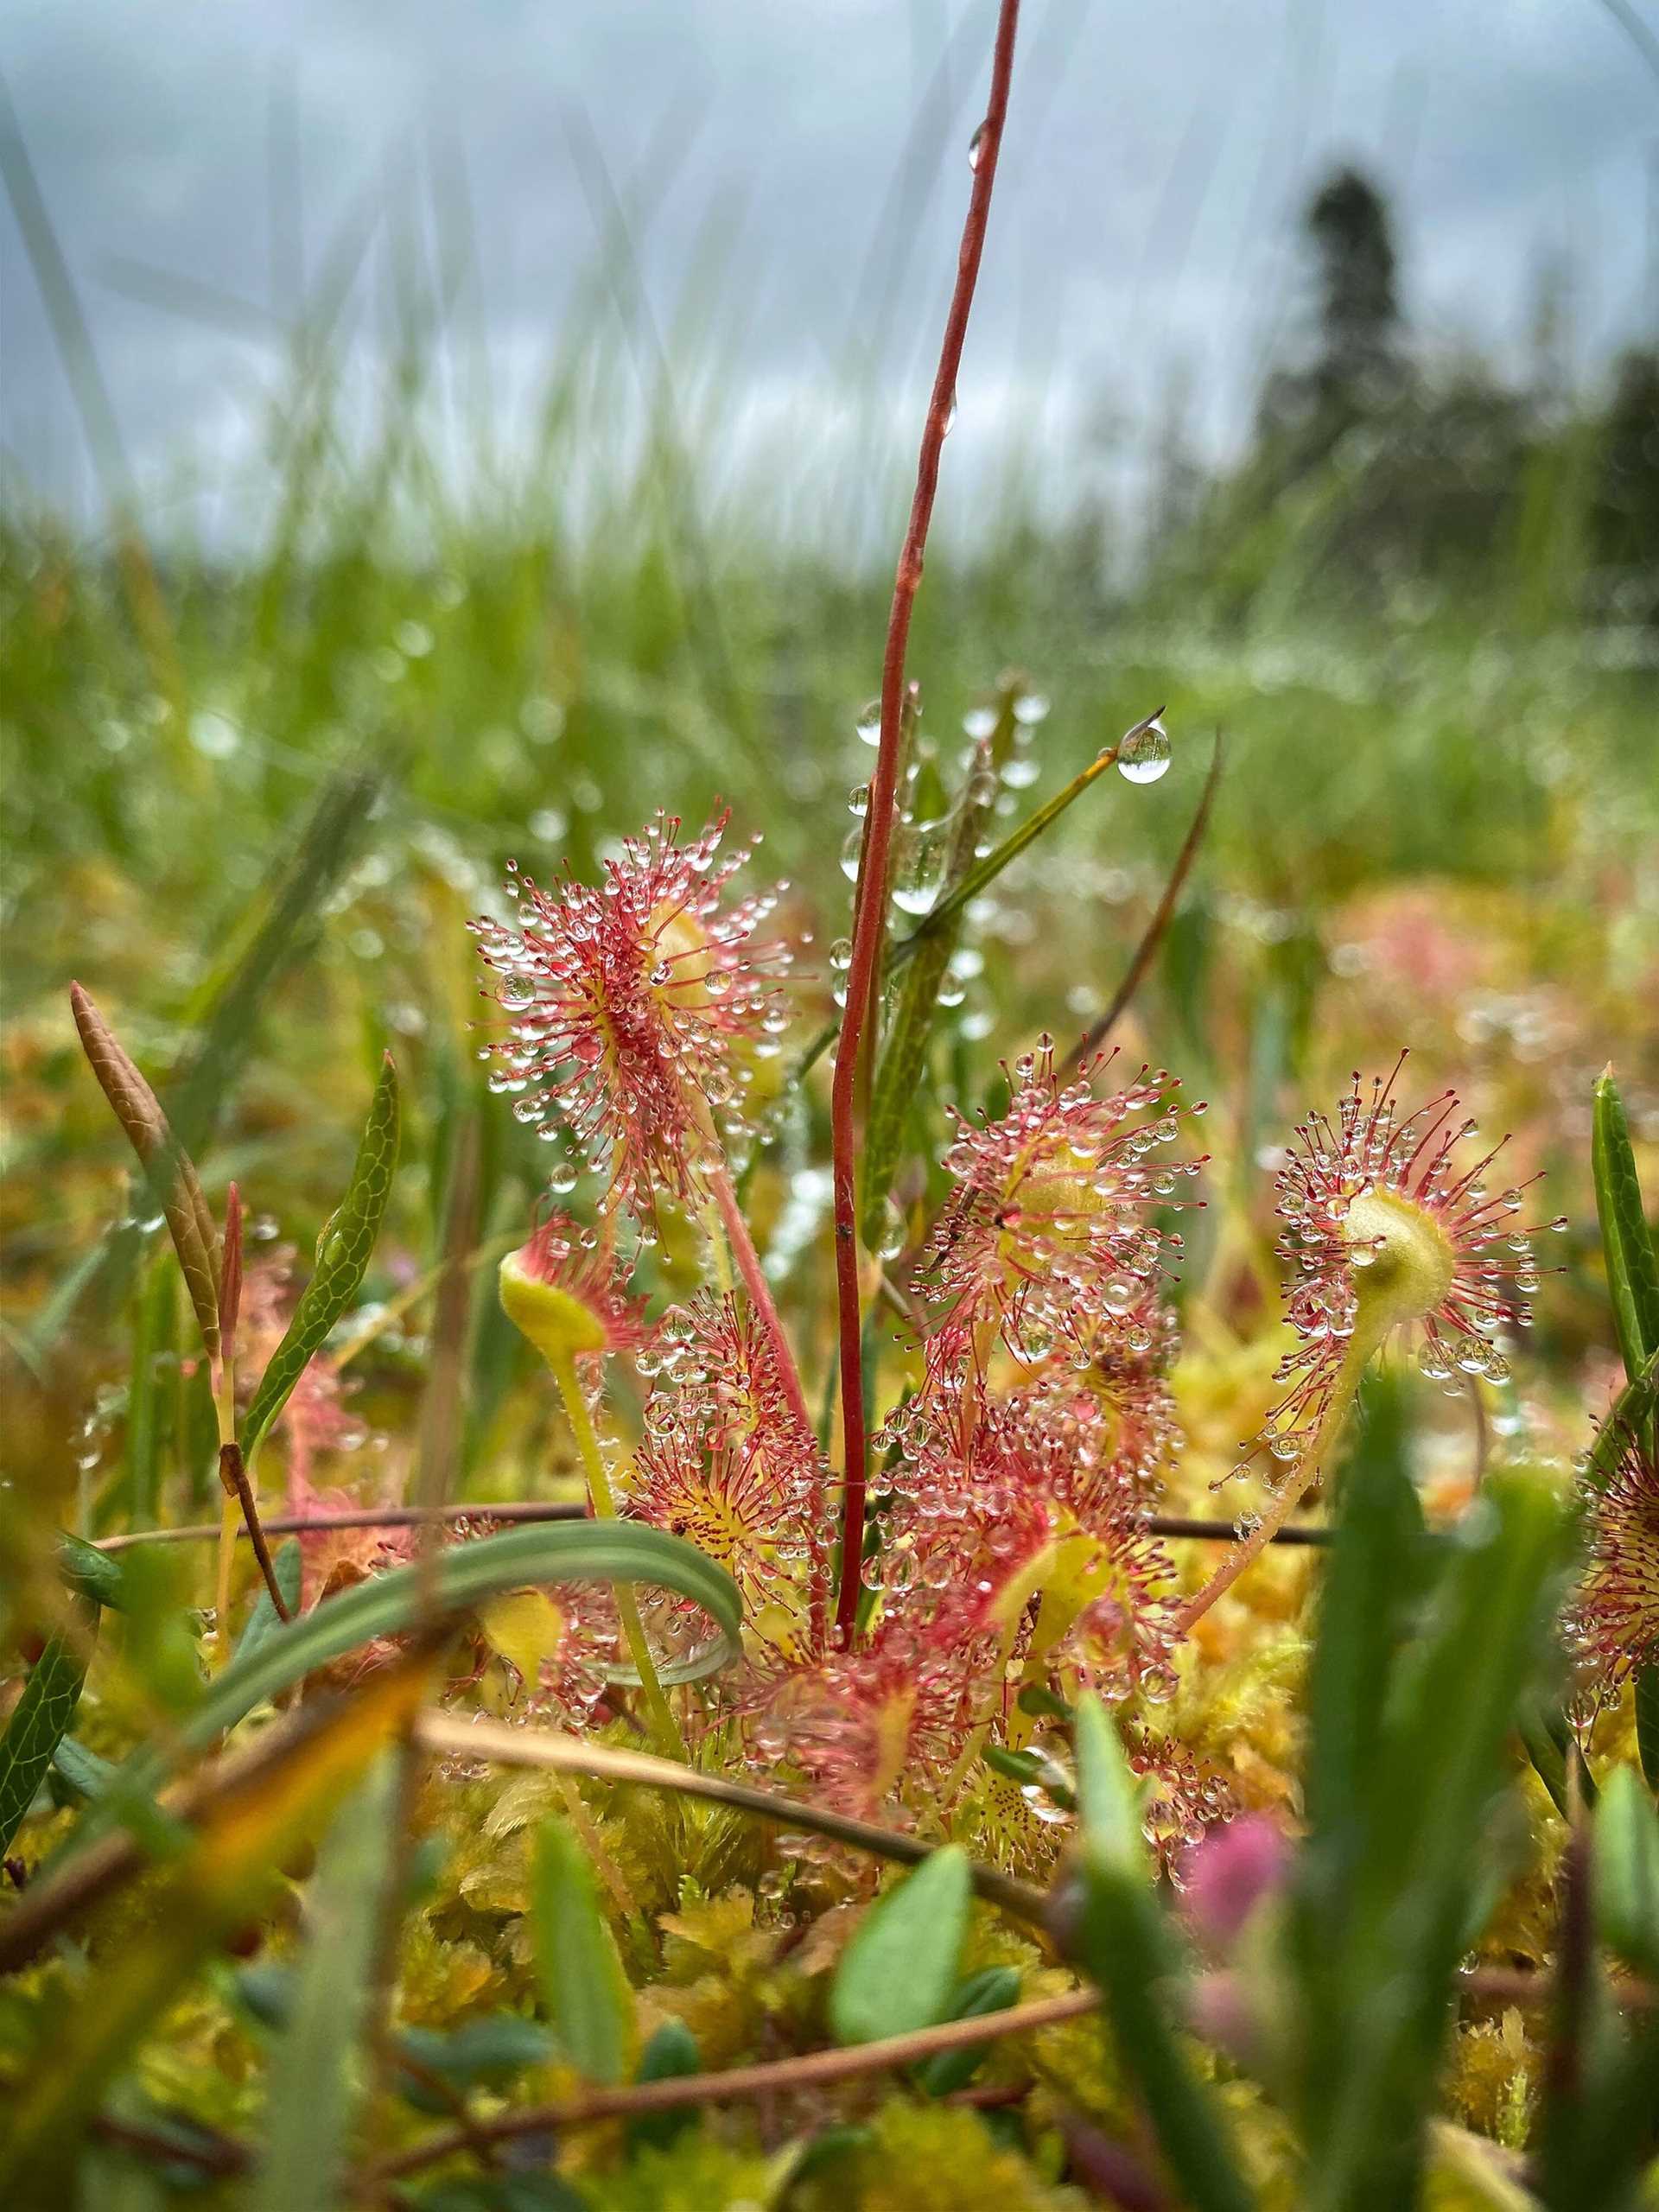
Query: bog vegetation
[(841, 1524)]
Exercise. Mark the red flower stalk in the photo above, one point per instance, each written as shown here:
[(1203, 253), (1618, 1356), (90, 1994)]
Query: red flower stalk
[(1616, 1616), (637, 1008), (1384, 1229), (1048, 1232), (727, 1463)]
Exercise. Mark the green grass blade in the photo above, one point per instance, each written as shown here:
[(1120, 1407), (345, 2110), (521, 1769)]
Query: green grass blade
[(39, 1722), (88, 1572), (1123, 1944), (343, 1251), (583, 1987), (1627, 1242), (1627, 1872), (316, 2069), (288, 1563), (459, 1577), (899, 1972)]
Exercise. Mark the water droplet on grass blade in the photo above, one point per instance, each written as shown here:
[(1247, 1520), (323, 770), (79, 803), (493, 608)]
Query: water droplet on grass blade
[(1144, 755)]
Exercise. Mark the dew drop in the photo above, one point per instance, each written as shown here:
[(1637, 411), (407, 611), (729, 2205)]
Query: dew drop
[(1143, 757), (868, 725), (976, 144)]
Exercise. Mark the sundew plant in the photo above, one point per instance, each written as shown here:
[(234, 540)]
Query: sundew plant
[(886, 1693)]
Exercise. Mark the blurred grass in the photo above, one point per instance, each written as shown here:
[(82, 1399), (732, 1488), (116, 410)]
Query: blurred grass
[(253, 811)]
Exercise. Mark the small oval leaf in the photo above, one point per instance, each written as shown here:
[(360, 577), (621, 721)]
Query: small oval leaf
[(589, 2001), (898, 1973)]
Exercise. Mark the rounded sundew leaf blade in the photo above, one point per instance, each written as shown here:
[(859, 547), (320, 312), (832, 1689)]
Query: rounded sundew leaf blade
[(315, 2062), (583, 1987), (39, 1722), (167, 1167), (898, 1973), (1627, 1242), (454, 1580), (347, 1239)]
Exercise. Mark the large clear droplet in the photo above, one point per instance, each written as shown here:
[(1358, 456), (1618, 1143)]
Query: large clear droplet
[(852, 852), (919, 869), (976, 144), (1144, 754), (868, 724), (890, 1232)]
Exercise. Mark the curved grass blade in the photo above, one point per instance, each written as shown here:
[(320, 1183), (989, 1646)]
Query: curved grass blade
[(40, 1719), (456, 1578), (313, 2069), (166, 1166), (343, 1252)]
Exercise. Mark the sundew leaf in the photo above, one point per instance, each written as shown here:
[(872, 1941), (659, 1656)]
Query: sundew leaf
[(1627, 1872), (39, 1720), (672, 2055), (1123, 1944), (343, 1251), (167, 1167), (899, 1970), (1627, 1243), (314, 2078), (589, 2004)]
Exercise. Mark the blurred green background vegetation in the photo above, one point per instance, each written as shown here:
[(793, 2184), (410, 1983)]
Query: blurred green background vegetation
[(255, 784)]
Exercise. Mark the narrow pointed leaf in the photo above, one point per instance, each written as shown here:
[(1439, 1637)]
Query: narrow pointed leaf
[(288, 1566), (1627, 1243), (899, 1970), (343, 1251), (1627, 1872), (316, 2070), (39, 1721), (166, 1166), (992, 1989), (584, 1989), (1122, 1942)]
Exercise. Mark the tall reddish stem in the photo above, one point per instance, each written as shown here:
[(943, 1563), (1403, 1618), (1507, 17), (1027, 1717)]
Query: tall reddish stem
[(870, 906)]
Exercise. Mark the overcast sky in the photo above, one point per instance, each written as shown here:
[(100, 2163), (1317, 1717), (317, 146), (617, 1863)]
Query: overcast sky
[(1155, 157)]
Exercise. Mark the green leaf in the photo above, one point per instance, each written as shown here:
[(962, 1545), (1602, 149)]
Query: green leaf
[(994, 1989), (1123, 1944), (343, 1251), (455, 1578), (95, 1575), (78, 1774), (898, 1972), (670, 2055), (1627, 1243), (289, 1566), (1646, 1693), (39, 1721), (1627, 1872), (585, 1992), (1634, 1405), (316, 2069)]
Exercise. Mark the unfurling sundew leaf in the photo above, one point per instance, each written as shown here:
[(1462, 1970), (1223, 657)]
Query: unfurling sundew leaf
[(167, 1167), (343, 1249), (585, 1992), (899, 1970)]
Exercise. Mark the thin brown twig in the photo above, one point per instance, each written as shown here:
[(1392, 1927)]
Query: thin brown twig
[(373, 1516), (455, 1737), (870, 906), (811, 2070), (234, 1476), (510, 1510), (1156, 929)]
